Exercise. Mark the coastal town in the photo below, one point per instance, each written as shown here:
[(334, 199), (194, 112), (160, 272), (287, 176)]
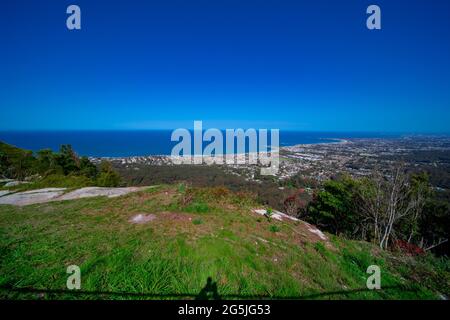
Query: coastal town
[(356, 156)]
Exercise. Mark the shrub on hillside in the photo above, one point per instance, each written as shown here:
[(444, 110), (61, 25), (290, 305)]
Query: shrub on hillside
[(16, 163), (107, 176), (67, 159), (197, 207), (294, 205), (333, 208), (87, 168)]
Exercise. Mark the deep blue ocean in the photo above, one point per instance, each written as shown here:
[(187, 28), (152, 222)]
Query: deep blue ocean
[(142, 143)]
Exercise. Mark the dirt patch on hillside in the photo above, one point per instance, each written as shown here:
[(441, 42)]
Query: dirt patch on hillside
[(160, 198), (171, 217), (165, 196), (175, 216), (175, 223)]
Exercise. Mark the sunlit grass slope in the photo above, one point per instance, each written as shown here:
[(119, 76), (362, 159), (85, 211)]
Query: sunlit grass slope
[(194, 234)]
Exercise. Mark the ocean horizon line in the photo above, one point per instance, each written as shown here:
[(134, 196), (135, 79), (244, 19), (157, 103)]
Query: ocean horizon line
[(382, 132), (140, 143)]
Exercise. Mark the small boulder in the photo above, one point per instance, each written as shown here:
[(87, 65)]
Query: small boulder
[(142, 218), (15, 183)]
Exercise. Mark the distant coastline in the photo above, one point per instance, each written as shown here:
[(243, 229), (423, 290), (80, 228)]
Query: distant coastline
[(119, 144), (333, 141)]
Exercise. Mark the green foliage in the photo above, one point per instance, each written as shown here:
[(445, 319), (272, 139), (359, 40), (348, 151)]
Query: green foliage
[(107, 177), (266, 193), (340, 208), (165, 259), (434, 224), (320, 248), (67, 159), (16, 163), (162, 259), (333, 207), (274, 228), (87, 168), (269, 213), (410, 226), (197, 207), (57, 181), (47, 162), (181, 188), (61, 169)]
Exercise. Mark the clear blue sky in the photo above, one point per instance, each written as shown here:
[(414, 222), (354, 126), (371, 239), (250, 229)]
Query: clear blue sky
[(306, 65)]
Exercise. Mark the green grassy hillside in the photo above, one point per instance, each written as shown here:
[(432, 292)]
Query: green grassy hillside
[(195, 234)]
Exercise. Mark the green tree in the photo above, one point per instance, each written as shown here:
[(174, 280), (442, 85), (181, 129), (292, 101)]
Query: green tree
[(16, 163), (434, 226), (333, 207), (87, 168), (47, 162), (4, 164), (391, 204), (68, 159), (107, 177), (419, 193)]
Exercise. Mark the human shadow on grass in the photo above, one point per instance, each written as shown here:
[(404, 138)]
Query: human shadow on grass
[(208, 292)]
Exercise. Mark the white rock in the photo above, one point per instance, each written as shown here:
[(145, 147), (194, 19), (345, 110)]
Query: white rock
[(98, 192), (43, 190), (56, 194), (15, 183), (4, 192), (276, 215), (316, 231), (280, 216), (142, 218), (26, 198)]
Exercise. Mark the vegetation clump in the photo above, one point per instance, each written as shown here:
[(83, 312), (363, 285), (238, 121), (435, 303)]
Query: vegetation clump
[(46, 168), (386, 210)]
